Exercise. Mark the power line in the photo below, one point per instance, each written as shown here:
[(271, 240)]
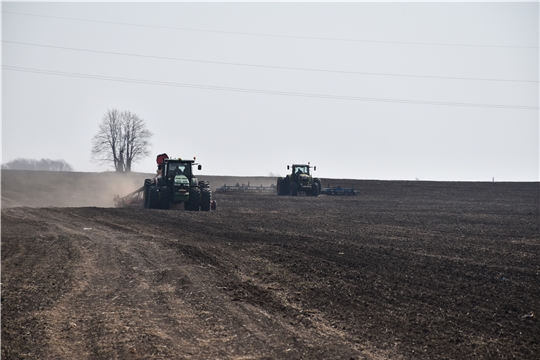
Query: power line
[(272, 35), (267, 66), (265, 92)]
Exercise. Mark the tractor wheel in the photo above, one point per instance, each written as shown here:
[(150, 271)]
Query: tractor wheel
[(283, 186), (204, 184), (164, 197), (294, 189), (153, 197), (206, 199), (279, 187), (194, 199), (286, 185), (315, 188), (318, 181), (146, 195)]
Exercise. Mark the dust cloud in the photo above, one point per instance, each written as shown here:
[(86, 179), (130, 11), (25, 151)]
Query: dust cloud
[(66, 189), (78, 189)]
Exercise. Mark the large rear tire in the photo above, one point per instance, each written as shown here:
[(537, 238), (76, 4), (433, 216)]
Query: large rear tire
[(146, 195), (315, 188), (165, 197), (318, 182), (194, 201), (294, 189), (279, 186), (206, 199), (153, 197), (283, 186)]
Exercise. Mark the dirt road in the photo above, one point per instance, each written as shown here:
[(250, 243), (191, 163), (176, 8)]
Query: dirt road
[(404, 270)]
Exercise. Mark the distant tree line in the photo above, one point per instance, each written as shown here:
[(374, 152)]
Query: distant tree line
[(39, 165)]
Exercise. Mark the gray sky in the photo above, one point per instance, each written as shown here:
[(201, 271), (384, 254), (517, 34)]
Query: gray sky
[(434, 91)]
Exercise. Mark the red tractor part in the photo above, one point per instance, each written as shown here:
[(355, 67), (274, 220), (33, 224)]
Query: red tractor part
[(161, 157)]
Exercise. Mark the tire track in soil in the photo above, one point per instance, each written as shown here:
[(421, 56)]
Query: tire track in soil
[(124, 302)]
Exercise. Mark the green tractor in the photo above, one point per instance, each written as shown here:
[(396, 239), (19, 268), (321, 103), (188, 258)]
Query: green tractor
[(300, 180), (176, 184)]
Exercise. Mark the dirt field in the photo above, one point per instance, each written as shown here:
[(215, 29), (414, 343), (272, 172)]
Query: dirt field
[(405, 270)]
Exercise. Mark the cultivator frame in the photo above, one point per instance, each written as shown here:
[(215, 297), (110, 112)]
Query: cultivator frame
[(134, 199), (338, 190), (246, 188)]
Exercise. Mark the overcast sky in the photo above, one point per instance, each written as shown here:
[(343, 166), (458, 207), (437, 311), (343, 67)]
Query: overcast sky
[(405, 91)]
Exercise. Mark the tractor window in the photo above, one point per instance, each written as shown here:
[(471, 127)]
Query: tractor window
[(301, 170), (179, 169)]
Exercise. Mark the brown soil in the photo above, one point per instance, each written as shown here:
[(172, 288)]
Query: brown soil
[(405, 270)]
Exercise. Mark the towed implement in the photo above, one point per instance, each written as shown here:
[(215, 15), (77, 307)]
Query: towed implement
[(134, 199), (338, 190), (174, 184), (245, 188)]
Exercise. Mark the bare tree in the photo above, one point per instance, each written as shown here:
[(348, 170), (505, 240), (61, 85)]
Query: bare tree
[(136, 138), (106, 142), (122, 140)]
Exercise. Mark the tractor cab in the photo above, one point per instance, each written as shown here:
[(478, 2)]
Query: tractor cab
[(300, 169), (172, 168), (301, 173)]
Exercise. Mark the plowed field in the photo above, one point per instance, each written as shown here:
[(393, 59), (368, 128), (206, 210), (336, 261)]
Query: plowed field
[(404, 270)]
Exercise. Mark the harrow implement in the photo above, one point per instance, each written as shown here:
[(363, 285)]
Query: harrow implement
[(338, 190), (246, 188), (134, 199)]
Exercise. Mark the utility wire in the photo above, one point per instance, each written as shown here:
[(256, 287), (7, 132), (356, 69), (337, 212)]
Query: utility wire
[(266, 92), (272, 35), (267, 66)]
